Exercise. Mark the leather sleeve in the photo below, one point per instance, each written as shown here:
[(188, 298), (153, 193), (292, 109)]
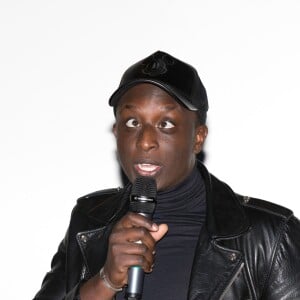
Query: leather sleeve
[(284, 279), (54, 283)]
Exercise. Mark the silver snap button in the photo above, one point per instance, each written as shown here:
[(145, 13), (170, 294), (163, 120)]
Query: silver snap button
[(232, 257), (83, 238), (246, 199)]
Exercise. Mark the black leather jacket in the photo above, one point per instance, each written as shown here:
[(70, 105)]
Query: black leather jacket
[(249, 248)]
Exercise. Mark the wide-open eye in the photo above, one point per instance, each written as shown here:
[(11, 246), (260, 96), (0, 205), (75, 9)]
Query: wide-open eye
[(132, 123), (166, 124)]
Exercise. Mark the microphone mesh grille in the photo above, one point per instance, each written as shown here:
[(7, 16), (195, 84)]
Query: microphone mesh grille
[(144, 186)]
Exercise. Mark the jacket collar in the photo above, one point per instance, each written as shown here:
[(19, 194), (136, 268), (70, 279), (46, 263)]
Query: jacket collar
[(222, 205), (225, 215)]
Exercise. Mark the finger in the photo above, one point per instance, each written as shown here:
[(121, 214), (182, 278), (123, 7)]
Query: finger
[(145, 247), (122, 256), (131, 238), (135, 220), (133, 234), (162, 230), (123, 262), (129, 249)]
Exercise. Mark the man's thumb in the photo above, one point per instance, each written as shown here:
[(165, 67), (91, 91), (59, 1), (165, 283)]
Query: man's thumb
[(159, 234)]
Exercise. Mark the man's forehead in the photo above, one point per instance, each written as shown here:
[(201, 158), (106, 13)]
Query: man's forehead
[(144, 93), (146, 89)]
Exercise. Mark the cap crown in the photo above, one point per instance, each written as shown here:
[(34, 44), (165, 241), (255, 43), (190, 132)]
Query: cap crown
[(177, 78)]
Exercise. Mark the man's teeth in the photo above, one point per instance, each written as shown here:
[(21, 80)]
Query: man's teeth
[(147, 167)]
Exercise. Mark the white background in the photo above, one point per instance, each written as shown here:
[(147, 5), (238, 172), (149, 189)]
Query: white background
[(61, 60)]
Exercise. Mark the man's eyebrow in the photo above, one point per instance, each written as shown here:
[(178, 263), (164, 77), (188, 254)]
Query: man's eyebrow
[(167, 107), (126, 106), (129, 106)]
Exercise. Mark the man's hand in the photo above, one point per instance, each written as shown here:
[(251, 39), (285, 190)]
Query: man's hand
[(131, 242)]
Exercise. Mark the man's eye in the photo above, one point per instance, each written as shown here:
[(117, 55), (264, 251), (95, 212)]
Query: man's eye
[(166, 124), (132, 123)]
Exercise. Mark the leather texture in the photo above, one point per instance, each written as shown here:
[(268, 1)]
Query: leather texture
[(176, 77), (249, 248)]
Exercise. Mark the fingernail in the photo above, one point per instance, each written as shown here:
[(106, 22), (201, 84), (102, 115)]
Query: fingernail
[(154, 226)]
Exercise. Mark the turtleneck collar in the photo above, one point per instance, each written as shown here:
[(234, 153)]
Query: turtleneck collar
[(184, 197)]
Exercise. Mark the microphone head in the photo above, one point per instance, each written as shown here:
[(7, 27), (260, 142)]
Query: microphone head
[(143, 196), (144, 186)]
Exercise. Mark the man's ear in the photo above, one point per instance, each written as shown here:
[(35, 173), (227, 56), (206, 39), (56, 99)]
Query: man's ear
[(200, 136), (114, 129)]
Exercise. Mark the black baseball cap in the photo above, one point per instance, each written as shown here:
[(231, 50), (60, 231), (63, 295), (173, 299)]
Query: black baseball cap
[(177, 78)]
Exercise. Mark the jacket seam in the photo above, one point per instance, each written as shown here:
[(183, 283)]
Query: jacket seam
[(247, 274), (274, 254), (278, 214)]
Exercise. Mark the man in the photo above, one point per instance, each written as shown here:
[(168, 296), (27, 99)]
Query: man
[(205, 241)]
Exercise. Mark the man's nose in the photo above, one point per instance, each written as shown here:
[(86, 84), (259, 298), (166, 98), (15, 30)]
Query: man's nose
[(147, 138)]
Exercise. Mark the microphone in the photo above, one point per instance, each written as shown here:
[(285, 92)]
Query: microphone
[(143, 202)]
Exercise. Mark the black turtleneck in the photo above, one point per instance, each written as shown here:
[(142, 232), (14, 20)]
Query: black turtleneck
[(183, 209)]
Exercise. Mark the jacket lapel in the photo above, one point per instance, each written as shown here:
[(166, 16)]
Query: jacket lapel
[(215, 266), (214, 269), (93, 247), (102, 215)]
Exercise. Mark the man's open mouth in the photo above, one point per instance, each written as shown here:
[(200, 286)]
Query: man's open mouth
[(145, 169)]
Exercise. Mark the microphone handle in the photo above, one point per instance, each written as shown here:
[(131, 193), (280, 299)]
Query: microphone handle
[(136, 277), (136, 280)]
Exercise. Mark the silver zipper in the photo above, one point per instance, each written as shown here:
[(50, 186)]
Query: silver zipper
[(83, 273)]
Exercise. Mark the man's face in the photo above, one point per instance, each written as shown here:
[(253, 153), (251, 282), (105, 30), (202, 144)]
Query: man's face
[(156, 136)]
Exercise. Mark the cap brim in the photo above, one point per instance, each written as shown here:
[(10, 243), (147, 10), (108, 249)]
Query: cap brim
[(114, 99)]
